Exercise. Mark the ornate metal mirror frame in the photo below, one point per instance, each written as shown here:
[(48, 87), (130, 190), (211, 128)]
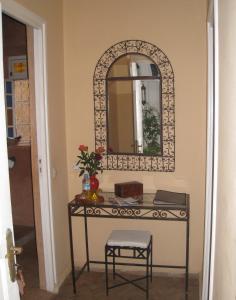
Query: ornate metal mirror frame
[(136, 162)]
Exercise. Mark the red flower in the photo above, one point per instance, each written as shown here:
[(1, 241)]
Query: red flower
[(90, 161), (83, 148)]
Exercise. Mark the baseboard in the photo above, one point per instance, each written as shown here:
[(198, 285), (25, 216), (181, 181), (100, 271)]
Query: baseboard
[(61, 280), (177, 274)]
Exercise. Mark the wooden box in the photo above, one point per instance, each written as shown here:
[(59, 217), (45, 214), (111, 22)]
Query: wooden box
[(129, 189)]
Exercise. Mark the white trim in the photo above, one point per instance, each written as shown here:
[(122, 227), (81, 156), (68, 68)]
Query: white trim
[(210, 12), (43, 156), (20, 13), (216, 144), (212, 152), (209, 164), (8, 290)]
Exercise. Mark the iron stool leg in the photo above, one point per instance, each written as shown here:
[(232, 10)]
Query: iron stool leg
[(106, 270)]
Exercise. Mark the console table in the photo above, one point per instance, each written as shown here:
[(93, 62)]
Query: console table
[(175, 212)]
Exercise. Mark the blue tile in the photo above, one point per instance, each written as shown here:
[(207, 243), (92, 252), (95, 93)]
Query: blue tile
[(9, 101), (9, 87)]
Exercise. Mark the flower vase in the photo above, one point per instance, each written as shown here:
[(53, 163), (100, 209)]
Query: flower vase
[(94, 183)]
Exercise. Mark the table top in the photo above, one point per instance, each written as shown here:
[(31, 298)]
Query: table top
[(145, 203)]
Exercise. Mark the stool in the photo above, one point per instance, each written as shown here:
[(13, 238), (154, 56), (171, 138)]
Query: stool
[(134, 244)]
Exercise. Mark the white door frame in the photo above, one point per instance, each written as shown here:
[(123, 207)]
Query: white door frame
[(22, 14), (216, 143), (212, 152), (8, 288)]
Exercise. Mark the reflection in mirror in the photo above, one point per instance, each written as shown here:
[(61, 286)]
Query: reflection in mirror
[(134, 106)]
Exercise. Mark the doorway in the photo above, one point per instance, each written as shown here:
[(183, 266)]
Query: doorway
[(19, 123), (41, 160)]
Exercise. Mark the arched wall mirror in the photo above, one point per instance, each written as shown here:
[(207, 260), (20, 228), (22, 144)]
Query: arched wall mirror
[(134, 108)]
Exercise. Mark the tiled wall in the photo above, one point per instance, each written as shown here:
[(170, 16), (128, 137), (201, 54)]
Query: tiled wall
[(18, 110), (10, 112), (22, 110)]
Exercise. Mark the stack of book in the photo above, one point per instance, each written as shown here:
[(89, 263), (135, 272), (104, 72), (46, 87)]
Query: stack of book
[(166, 197)]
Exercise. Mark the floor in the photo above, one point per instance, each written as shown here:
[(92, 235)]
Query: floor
[(91, 285)]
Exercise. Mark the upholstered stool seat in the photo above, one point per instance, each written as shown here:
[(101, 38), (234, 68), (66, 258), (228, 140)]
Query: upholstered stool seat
[(134, 244), (129, 238)]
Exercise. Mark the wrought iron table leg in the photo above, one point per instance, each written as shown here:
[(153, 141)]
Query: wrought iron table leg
[(187, 260), (151, 257), (106, 270), (71, 251), (147, 274), (86, 239)]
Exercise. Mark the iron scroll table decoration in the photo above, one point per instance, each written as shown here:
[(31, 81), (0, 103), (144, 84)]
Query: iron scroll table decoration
[(136, 162), (143, 211)]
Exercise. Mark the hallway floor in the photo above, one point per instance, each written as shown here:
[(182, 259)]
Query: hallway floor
[(92, 285)]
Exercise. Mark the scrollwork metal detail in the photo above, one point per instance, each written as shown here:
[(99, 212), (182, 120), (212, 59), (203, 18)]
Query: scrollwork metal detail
[(138, 162), (170, 214), (160, 214), (123, 211), (131, 213), (93, 211)]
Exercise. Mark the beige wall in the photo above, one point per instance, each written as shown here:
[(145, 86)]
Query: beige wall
[(225, 260), (90, 27), (51, 12), (179, 29)]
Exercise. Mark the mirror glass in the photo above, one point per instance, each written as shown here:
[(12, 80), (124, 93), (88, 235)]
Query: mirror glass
[(134, 106)]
